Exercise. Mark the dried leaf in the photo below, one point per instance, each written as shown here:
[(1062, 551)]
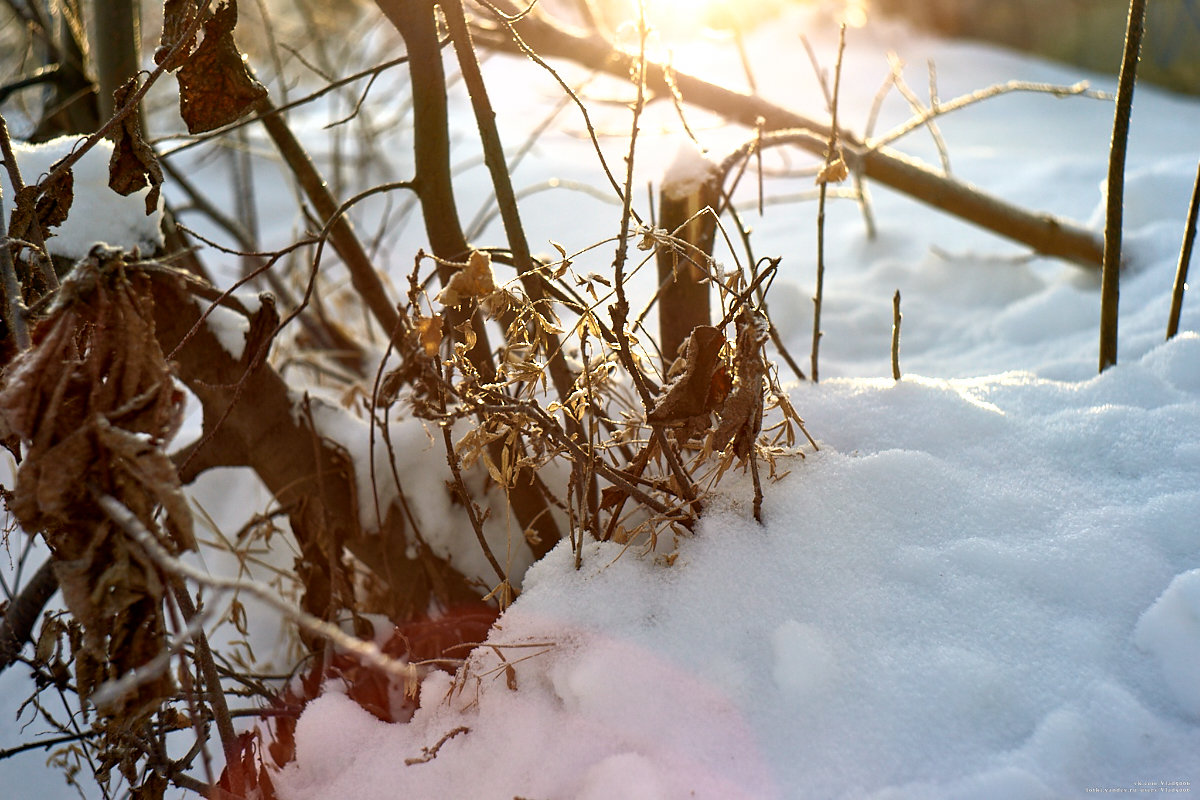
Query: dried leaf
[(741, 414), (45, 206), (688, 396), (469, 337), (834, 171), (611, 497), (133, 165), (94, 402), (564, 263), (429, 335), (215, 88), (473, 281), (57, 196), (178, 16)]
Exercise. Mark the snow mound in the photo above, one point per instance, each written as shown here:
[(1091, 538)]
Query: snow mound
[(98, 214), (1170, 632)]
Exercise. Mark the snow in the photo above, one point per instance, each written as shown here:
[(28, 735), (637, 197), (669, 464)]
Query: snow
[(985, 584), (97, 214), (228, 326), (687, 172), (1170, 631), (420, 460)]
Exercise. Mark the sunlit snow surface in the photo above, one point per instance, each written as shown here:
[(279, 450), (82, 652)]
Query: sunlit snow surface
[(986, 584)]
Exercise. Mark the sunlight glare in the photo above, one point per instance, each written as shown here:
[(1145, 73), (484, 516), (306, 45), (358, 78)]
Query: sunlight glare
[(676, 19), (684, 20)]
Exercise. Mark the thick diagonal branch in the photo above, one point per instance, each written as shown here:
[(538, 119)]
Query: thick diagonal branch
[(1044, 233)]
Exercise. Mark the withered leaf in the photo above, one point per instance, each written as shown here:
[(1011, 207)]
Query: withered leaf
[(742, 412), (133, 165), (94, 401), (429, 335), (689, 395), (611, 496), (834, 171), (57, 195), (178, 16), (215, 87), (475, 280), (45, 206)]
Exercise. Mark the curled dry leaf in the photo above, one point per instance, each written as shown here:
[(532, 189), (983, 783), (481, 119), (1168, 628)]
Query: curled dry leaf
[(178, 16), (475, 280), (691, 394), (833, 171), (215, 87), (45, 206), (742, 412), (429, 335), (94, 403), (133, 165)]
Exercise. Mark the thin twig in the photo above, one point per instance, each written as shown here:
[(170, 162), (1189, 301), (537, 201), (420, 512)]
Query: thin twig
[(530, 52), (203, 656), (363, 275), (831, 155), (928, 115), (1185, 257), (493, 156), (35, 231), (896, 317), (1080, 89), (23, 611), (1044, 233), (464, 496), (430, 753), (14, 306)]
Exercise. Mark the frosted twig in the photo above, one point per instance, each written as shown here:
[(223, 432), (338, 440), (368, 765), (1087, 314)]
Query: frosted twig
[(14, 307), (926, 115), (1081, 89)]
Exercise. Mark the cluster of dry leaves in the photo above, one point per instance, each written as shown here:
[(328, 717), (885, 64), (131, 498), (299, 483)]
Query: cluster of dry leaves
[(95, 404)]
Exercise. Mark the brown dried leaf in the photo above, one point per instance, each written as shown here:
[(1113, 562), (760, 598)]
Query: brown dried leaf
[(133, 165), (44, 206), (178, 16), (429, 335), (473, 281), (215, 88), (688, 396), (833, 171), (145, 470), (57, 196), (741, 415), (94, 402)]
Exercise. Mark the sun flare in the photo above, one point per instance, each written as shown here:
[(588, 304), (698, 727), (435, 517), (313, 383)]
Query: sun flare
[(679, 21)]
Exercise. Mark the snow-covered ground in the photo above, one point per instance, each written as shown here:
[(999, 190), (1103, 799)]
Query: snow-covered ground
[(985, 584)]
